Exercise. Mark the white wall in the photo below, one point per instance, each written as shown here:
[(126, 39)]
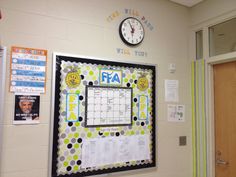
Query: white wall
[(210, 10), (80, 27)]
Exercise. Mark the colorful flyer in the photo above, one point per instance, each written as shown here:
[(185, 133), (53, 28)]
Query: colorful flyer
[(28, 70)]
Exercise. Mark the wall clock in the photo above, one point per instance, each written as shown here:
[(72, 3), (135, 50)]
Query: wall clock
[(131, 31)]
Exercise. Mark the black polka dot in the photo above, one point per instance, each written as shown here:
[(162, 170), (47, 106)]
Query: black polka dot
[(70, 124), (68, 168), (135, 81), (90, 83), (69, 146), (80, 119), (100, 133), (128, 84), (117, 134), (135, 118), (79, 140), (142, 161), (81, 97), (135, 99), (142, 123), (82, 77), (79, 162)]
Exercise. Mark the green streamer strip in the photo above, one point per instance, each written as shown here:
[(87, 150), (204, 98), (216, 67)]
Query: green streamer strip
[(199, 137), (204, 121), (193, 121), (197, 119)]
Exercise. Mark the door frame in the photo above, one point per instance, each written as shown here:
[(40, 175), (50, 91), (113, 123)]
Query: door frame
[(210, 128)]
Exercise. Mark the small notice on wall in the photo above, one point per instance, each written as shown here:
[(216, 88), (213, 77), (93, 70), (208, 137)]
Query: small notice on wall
[(28, 70), (171, 90), (26, 109), (175, 113)]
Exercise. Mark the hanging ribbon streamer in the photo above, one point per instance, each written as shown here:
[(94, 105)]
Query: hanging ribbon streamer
[(199, 119)]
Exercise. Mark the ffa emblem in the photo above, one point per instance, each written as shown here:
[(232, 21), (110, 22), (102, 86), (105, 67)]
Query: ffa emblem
[(142, 82), (73, 77)]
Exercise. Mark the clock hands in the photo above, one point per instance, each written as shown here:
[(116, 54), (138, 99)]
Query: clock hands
[(132, 29)]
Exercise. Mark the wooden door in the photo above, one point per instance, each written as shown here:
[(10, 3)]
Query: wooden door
[(225, 119)]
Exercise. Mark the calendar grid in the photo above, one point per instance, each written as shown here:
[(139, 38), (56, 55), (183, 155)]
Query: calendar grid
[(108, 106)]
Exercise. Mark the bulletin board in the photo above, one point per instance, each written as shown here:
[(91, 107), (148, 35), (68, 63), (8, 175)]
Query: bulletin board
[(104, 116)]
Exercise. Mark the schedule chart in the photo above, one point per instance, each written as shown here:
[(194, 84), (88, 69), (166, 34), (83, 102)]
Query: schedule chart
[(108, 106)]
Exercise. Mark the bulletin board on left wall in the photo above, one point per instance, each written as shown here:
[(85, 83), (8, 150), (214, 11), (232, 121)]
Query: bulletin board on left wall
[(104, 117)]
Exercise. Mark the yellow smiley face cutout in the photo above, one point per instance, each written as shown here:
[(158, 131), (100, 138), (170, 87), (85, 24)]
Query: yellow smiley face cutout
[(142, 83), (73, 79)]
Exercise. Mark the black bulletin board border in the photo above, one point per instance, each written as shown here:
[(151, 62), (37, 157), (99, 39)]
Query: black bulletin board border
[(58, 58)]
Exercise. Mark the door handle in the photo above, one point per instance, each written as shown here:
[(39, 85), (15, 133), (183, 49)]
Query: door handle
[(221, 162)]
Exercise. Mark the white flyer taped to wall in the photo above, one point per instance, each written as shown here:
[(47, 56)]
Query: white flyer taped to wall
[(171, 90), (176, 113)]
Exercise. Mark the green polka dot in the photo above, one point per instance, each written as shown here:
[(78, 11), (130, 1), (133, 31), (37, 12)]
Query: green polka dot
[(142, 132), (66, 141), (76, 135), (76, 168), (133, 85), (106, 134), (77, 124), (77, 91), (98, 128), (133, 76), (126, 80), (65, 164), (89, 134), (132, 132), (90, 73), (149, 127), (75, 157), (76, 146)]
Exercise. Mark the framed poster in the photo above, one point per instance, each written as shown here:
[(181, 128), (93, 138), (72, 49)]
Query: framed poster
[(104, 117)]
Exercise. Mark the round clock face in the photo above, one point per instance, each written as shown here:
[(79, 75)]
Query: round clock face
[(131, 31)]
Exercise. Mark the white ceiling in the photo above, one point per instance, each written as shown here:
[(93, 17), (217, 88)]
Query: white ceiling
[(188, 3)]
